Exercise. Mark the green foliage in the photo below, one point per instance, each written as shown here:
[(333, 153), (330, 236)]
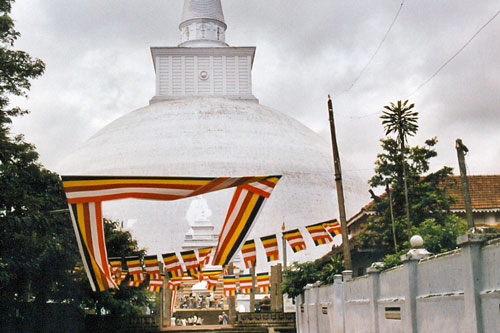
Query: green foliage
[(126, 301), (39, 260), (400, 119), (396, 167), (297, 276)]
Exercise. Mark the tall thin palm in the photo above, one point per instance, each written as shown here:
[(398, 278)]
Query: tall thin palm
[(401, 119)]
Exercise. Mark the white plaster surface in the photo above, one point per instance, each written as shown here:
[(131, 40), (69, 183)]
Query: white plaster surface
[(216, 137)]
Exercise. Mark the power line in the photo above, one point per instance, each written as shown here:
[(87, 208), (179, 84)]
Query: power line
[(376, 51), (455, 55)]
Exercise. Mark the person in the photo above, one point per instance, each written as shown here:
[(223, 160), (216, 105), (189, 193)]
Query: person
[(221, 318), (225, 318)]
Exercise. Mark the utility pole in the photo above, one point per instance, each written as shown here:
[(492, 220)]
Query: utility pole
[(461, 152), (388, 191), (340, 189), (231, 300)]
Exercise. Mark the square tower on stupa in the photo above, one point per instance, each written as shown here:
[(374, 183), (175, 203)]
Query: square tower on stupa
[(203, 64)]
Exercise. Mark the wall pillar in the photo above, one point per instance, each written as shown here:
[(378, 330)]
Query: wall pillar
[(231, 300), (410, 261), (276, 296), (471, 253), (338, 304), (373, 276)]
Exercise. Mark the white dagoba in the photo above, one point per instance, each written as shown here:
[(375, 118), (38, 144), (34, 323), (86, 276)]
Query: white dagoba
[(202, 232), (204, 121)]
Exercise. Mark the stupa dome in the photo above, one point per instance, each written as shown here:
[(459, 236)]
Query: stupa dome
[(212, 137), (204, 121)]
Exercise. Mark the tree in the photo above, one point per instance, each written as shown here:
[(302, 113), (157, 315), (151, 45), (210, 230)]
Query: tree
[(126, 301), (39, 260), (429, 203), (402, 120), (297, 276)]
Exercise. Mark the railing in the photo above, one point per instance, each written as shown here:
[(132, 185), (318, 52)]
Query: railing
[(286, 319)]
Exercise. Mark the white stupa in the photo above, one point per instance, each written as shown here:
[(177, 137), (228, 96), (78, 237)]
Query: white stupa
[(205, 121)]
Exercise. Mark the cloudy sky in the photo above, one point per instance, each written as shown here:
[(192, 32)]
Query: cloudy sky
[(99, 67)]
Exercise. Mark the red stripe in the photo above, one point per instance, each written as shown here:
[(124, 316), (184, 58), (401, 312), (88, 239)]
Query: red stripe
[(151, 196), (236, 223), (125, 185), (256, 190)]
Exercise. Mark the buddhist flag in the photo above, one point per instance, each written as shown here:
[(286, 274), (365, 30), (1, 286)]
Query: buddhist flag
[(116, 267), (229, 285), (270, 244), (247, 203), (190, 262), (174, 283), (319, 234), (294, 238), (204, 256), (245, 283), (152, 267), (135, 270), (212, 281), (155, 285), (249, 253), (172, 265), (333, 227), (85, 195), (208, 273), (263, 282), (121, 278)]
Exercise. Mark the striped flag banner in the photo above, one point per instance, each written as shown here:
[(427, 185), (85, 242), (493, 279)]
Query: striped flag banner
[(152, 267), (86, 193), (319, 234), (172, 265), (204, 256), (249, 253), (270, 244), (263, 282), (294, 238), (229, 285), (135, 271), (245, 283), (212, 281), (333, 227), (247, 203), (190, 262), (115, 267), (174, 283), (121, 278), (155, 285)]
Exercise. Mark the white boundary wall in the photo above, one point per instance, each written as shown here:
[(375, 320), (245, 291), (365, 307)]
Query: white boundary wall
[(458, 291)]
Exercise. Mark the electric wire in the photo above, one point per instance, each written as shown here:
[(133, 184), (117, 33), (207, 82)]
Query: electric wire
[(453, 56), (376, 51)]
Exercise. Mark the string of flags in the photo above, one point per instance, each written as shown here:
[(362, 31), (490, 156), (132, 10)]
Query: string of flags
[(191, 266)]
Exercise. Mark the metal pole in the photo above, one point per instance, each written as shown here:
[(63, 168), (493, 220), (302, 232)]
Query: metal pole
[(340, 189), (254, 286), (461, 151), (283, 240)]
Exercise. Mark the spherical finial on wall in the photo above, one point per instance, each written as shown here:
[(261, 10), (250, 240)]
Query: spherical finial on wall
[(416, 242)]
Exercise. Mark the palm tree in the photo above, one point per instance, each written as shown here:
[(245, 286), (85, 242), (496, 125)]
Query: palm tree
[(401, 119)]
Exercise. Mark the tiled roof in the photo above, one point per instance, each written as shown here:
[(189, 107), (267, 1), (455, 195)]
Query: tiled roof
[(484, 191)]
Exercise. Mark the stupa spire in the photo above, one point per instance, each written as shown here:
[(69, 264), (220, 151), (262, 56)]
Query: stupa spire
[(202, 24)]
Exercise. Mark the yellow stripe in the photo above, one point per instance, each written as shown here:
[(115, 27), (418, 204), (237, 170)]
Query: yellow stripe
[(243, 221), (269, 241), (95, 268), (73, 183)]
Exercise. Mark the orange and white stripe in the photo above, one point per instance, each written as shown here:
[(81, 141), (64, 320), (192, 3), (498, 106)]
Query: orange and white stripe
[(294, 238), (270, 244), (249, 253)]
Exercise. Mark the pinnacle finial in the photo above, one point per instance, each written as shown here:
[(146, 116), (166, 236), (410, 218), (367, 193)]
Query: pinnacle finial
[(202, 24)]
